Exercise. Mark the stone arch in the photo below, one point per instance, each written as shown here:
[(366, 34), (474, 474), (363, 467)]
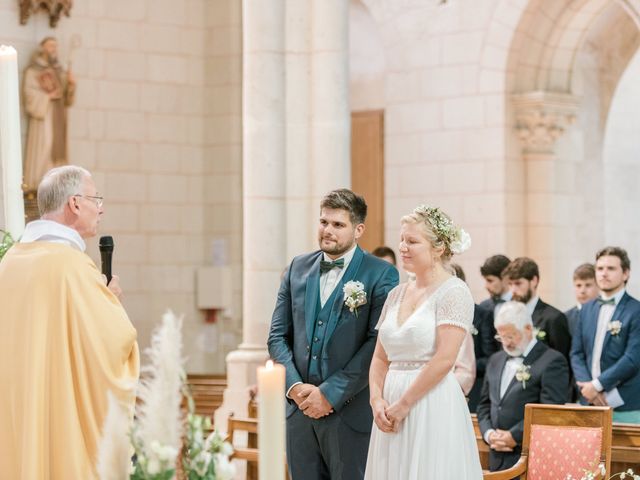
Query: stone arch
[(562, 62)]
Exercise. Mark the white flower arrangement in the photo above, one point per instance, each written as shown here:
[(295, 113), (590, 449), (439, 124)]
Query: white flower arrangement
[(156, 435), (601, 471), (614, 328), (523, 374), (354, 295)]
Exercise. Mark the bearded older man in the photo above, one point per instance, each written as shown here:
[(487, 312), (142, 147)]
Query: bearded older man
[(525, 371)]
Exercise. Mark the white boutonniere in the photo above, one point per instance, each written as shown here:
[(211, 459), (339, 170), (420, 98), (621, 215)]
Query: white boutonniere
[(523, 374), (473, 330), (614, 327), (539, 334), (354, 295)]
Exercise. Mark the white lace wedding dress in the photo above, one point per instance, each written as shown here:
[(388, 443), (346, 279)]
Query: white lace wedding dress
[(436, 440)]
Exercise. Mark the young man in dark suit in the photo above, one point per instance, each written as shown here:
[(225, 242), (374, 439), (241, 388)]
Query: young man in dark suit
[(498, 288), (326, 344), (550, 324), (525, 371), (584, 285), (605, 354)]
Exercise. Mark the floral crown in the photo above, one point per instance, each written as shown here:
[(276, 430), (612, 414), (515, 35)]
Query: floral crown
[(452, 235)]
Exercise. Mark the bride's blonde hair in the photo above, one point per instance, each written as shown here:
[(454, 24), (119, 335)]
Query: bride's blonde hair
[(435, 225)]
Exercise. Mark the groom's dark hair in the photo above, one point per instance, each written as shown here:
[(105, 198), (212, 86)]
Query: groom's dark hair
[(345, 199)]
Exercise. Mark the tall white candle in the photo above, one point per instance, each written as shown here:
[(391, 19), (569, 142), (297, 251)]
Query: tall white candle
[(271, 422), (10, 142)]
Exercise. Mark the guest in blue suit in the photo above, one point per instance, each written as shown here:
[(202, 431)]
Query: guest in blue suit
[(605, 353), (326, 343)]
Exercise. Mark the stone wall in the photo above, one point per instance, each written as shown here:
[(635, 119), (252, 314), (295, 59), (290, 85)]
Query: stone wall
[(157, 120)]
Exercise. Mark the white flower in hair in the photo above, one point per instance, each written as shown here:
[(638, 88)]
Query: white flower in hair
[(461, 243)]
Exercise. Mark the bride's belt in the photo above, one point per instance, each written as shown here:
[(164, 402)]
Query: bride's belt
[(409, 365)]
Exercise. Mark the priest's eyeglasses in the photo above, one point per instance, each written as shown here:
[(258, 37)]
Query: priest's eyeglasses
[(95, 199)]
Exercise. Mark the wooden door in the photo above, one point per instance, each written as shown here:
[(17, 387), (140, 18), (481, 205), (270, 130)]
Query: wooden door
[(367, 172)]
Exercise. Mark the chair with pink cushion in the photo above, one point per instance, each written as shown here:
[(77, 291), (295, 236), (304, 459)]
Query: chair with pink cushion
[(561, 441)]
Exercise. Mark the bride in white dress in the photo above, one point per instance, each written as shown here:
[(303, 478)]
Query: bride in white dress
[(422, 425)]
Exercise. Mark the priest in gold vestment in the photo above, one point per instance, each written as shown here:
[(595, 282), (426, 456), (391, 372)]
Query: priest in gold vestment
[(66, 339)]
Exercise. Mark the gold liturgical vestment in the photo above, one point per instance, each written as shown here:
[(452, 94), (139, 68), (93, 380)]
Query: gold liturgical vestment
[(65, 341)]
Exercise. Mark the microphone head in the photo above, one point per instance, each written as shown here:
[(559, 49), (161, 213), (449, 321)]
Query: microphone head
[(106, 243)]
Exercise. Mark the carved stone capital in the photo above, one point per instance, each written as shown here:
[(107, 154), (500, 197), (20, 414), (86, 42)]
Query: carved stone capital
[(542, 117)]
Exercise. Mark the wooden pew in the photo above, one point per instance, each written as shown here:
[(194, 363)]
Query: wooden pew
[(625, 448), (207, 392)]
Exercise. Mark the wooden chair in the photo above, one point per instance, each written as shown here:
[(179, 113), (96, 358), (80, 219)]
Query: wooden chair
[(249, 425), (560, 440)]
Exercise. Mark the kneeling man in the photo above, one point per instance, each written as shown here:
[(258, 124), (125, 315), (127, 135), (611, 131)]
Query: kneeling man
[(526, 371)]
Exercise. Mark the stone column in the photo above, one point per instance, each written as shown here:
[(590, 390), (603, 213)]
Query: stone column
[(298, 131), (541, 120), (330, 112), (264, 209)]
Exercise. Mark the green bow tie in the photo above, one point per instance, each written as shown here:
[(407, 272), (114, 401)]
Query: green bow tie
[(326, 266), (602, 301)]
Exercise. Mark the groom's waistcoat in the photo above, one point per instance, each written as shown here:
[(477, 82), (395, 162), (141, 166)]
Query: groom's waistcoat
[(323, 315)]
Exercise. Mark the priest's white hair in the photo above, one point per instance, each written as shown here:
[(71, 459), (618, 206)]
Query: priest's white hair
[(58, 185), (513, 313)]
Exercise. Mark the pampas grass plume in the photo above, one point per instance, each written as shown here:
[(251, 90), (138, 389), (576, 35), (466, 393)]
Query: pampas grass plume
[(114, 451), (158, 412)]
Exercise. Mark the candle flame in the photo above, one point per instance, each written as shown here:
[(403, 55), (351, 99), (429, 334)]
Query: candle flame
[(269, 365)]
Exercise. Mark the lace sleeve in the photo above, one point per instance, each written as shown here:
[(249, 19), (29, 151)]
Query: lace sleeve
[(455, 307), (393, 297)]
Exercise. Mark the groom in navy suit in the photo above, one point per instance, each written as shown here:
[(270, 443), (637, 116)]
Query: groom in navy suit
[(327, 345), (605, 353)]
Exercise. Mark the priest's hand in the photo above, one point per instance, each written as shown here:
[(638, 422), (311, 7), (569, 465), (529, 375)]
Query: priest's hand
[(379, 406), (397, 412), (502, 441), (315, 404), (113, 285), (588, 390)]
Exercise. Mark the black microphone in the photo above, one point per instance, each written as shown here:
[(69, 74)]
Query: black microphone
[(106, 251)]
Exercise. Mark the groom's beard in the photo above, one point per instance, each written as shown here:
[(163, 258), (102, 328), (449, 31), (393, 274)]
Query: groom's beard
[(336, 248), (523, 298)]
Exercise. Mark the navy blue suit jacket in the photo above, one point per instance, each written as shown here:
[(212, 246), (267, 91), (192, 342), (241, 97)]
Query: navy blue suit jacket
[(350, 338), (620, 359)]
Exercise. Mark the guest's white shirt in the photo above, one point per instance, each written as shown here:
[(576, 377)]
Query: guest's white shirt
[(329, 280), (54, 232), (605, 316), (509, 371), (511, 367), (531, 304), (505, 297)]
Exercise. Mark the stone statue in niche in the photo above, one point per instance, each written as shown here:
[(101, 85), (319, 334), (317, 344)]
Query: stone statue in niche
[(55, 8), (48, 90)]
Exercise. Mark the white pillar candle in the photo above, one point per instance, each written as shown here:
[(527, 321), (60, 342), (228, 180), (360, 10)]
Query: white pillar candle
[(271, 422), (10, 142)]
